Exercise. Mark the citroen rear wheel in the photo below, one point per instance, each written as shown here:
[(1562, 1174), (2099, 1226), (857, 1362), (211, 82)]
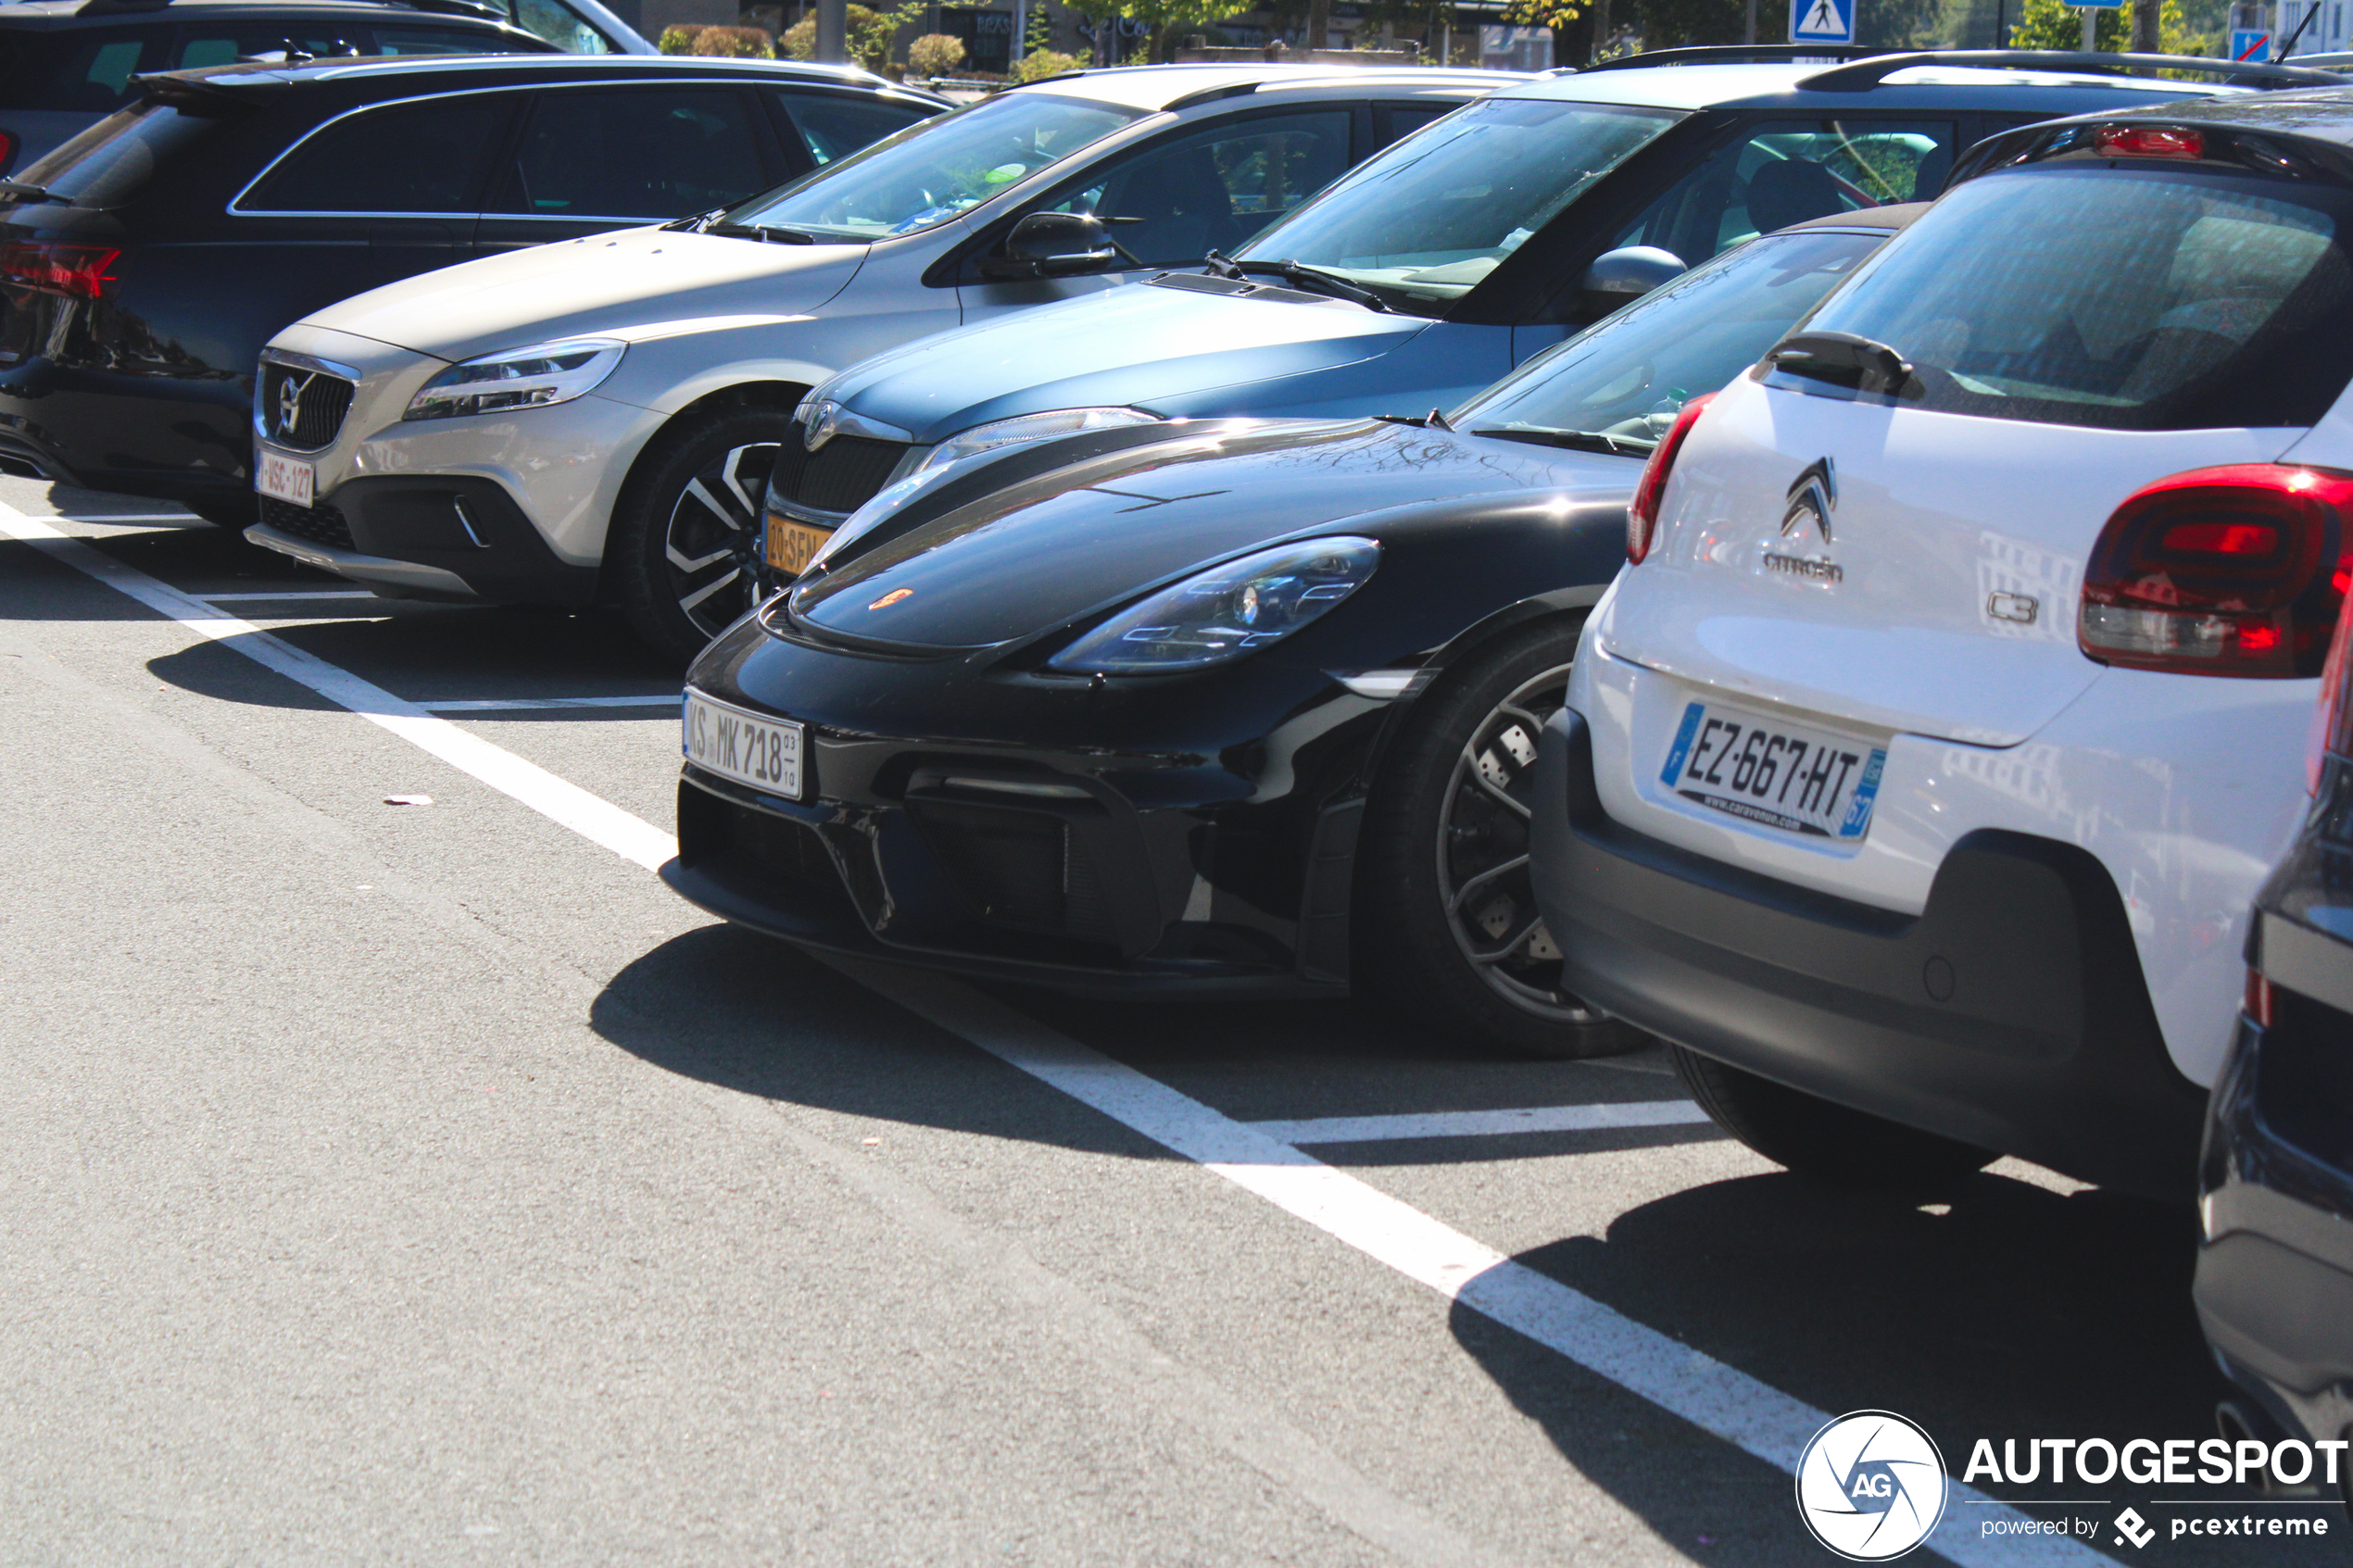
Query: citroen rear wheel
[(1446, 913), (686, 531)]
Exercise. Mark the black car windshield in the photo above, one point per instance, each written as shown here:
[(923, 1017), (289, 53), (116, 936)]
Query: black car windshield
[(935, 168), (1422, 223), (2116, 299), (1625, 377)]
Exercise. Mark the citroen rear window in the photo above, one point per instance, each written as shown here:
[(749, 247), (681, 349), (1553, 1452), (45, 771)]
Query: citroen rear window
[(2125, 299)]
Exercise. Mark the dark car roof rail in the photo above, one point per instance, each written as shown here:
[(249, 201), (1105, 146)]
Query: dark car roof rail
[(1728, 55), (1862, 75)]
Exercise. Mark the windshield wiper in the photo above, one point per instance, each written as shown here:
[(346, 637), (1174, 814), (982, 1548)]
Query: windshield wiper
[(1434, 420), (24, 193), (1574, 440), (765, 232), (1223, 266)]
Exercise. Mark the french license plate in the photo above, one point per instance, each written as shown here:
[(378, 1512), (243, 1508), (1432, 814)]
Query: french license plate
[(1787, 776), (289, 479), (763, 753), (791, 544)]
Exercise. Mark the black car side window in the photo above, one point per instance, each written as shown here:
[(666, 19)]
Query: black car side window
[(835, 128), (1784, 171), (649, 151), (415, 158), (1172, 204)]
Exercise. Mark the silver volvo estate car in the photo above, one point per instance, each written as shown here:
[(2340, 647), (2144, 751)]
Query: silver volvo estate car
[(595, 420)]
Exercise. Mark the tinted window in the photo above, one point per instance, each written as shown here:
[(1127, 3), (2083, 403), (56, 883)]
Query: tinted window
[(1785, 171), (1628, 376), (1175, 203), (116, 160), (404, 157), (559, 25), (661, 152), (835, 128), (85, 70), (444, 41), (1402, 120), (1424, 221), (2128, 300)]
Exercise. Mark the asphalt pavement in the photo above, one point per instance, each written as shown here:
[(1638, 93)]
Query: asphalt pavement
[(426, 1183)]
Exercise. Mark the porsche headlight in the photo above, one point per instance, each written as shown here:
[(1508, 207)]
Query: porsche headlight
[(1029, 427), (534, 376), (1226, 611)]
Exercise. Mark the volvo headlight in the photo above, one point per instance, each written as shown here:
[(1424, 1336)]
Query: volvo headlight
[(1226, 611), (1029, 427), (532, 377)]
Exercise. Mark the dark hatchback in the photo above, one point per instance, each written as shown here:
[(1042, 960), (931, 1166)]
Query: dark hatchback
[(146, 263), (66, 64), (2276, 1273)]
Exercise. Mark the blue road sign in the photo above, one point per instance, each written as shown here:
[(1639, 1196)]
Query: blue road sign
[(2250, 44), (1821, 21)]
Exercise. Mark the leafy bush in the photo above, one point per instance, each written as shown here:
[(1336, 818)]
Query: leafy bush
[(1043, 63), (935, 54), (871, 32), (678, 38), (734, 43)]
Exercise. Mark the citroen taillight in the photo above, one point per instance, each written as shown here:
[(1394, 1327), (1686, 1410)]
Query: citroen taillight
[(49, 267), (2236, 570), (1641, 513)]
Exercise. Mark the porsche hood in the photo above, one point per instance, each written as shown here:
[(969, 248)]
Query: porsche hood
[(1045, 552), (631, 284)]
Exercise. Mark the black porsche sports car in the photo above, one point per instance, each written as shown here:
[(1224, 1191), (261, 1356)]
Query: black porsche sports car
[(1214, 703)]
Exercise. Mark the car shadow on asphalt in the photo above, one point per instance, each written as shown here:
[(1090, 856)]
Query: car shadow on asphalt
[(2004, 1310), (730, 1007)]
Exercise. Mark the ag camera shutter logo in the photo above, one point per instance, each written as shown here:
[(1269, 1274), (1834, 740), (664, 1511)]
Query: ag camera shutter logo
[(1870, 1486)]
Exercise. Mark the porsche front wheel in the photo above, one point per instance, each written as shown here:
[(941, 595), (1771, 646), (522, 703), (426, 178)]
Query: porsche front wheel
[(1446, 918)]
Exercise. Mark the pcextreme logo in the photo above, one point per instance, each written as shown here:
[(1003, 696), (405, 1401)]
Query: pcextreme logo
[(1870, 1486)]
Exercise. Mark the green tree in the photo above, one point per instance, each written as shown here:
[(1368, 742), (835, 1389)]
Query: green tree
[(2049, 24), (1169, 21)]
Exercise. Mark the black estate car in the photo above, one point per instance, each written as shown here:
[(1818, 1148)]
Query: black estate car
[(2276, 1273), (144, 263), (65, 65)]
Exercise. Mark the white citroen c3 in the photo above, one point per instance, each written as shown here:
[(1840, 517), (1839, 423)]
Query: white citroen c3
[(1920, 769)]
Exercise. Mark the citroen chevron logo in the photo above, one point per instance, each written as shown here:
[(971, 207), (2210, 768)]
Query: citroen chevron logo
[(1812, 493)]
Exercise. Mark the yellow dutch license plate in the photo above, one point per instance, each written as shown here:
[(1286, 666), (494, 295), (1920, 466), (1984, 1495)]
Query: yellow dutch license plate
[(791, 544)]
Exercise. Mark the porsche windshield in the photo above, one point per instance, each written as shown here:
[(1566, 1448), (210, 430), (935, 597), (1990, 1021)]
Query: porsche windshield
[(1425, 221), (1619, 383), (934, 169)]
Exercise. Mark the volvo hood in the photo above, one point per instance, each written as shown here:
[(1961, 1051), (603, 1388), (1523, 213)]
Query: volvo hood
[(1044, 552), (1122, 346), (635, 283)]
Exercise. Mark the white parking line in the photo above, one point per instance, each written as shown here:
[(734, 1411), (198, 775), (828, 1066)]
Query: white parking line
[(500, 705), (1484, 1124), (1717, 1398)]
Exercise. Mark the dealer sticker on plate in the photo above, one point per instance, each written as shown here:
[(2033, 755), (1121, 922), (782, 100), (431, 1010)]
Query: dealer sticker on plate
[(746, 747), (288, 479), (1788, 776)]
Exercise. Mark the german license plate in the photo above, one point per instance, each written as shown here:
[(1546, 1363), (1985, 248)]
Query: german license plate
[(1788, 776), (288, 479), (762, 752), (791, 544)]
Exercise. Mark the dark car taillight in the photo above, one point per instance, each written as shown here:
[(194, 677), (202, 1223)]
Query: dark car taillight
[(2234, 570), (77, 271), (2149, 140), (9, 143), (2333, 716), (1641, 513)]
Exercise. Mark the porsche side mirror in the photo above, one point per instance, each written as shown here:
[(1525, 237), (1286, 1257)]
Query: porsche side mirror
[(1053, 245), (1624, 275)]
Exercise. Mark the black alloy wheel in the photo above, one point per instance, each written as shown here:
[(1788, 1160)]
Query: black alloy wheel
[(1445, 906), (686, 537)]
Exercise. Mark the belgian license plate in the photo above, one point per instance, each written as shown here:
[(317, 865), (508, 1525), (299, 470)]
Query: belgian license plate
[(763, 753), (288, 479), (791, 544), (1788, 776)]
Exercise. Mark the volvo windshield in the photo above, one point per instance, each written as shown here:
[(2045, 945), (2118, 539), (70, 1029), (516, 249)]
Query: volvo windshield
[(1425, 221), (932, 170)]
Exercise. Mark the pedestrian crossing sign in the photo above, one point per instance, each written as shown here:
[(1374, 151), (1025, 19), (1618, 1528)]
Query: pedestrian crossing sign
[(1821, 21)]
